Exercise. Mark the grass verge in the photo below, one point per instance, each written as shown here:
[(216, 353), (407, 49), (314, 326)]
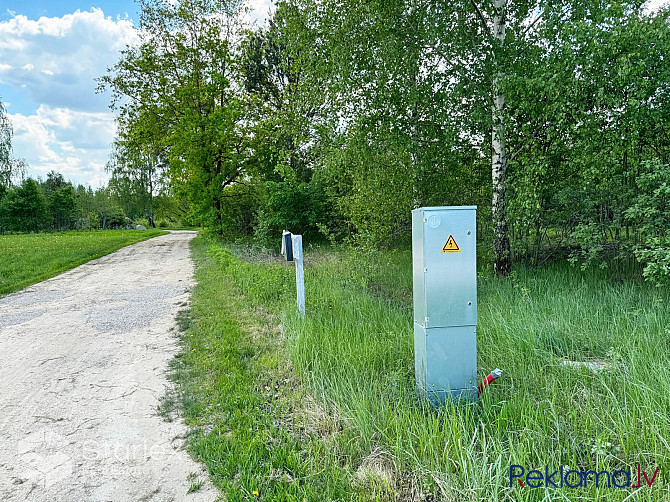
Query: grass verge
[(324, 408), (249, 420), (29, 258)]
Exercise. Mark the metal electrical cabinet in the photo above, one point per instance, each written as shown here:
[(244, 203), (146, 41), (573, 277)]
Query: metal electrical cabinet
[(445, 301)]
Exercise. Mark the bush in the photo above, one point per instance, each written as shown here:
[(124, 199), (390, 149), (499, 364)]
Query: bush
[(239, 207), (651, 214), (111, 218), (82, 224), (297, 207)]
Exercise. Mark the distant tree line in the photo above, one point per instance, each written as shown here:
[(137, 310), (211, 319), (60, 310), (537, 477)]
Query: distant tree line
[(54, 204), (338, 117), (57, 205)]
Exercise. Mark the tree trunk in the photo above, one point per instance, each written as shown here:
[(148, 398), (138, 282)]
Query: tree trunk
[(218, 216), (151, 198), (217, 199), (502, 263)]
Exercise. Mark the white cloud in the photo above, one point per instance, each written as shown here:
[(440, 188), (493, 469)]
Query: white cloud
[(56, 61), (68, 53), (259, 9), (74, 143), (653, 5)]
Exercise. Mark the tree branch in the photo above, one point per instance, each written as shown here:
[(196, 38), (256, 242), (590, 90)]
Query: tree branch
[(530, 26), (481, 17)]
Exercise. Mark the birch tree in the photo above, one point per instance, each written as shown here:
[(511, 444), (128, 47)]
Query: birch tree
[(500, 41), (457, 64), (6, 133), (501, 247)]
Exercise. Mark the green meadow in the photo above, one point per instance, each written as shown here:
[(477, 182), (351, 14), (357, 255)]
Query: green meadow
[(29, 258), (325, 407)]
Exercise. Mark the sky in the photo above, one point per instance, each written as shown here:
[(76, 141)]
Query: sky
[(51, 52)]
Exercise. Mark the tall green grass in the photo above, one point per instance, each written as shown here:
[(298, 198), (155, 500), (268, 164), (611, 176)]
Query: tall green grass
[(236, 390), (29, 258), (353, 352)]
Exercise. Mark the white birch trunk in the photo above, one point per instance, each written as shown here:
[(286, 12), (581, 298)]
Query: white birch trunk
[(501, 246)]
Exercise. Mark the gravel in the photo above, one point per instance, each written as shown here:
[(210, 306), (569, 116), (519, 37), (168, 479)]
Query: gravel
[(83, 367)]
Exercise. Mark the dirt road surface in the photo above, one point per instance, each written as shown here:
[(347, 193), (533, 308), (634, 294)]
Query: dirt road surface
[(83, 368)]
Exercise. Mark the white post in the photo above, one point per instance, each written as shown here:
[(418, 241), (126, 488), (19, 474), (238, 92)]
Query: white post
[(299, 273)]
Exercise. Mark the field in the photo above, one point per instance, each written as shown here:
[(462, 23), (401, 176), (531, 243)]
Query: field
[(325, 408), (29, 258)]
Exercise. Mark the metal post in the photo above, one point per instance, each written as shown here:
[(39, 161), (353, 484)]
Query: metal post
[(299, 273)]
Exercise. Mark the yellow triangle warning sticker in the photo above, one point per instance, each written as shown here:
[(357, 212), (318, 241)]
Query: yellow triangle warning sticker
[(450, 246)]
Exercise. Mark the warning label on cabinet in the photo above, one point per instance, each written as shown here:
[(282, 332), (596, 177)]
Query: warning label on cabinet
[(450, 246)]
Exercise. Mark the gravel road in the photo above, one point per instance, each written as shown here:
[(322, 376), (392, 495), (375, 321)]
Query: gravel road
[(83, 360)]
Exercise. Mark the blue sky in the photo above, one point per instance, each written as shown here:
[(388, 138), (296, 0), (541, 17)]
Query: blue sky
[(51, 52), (57, 8)]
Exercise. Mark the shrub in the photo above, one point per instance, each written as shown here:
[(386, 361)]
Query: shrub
[(651, 214), (112, 217), (297, 207)]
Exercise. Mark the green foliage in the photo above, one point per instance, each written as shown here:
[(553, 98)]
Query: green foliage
[(297, 207), (650, 211), (111, 217), (56, 205), (172, 208), (584, 123), (24, 208), (137, 164), (282, 85), (62, 202), (338, 117), (651, 215), (180, 98), (98, 209), (655, 256), (239, 205), (63, 208)]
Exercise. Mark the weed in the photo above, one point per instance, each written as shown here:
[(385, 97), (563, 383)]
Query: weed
[(195, 486), (183, 319), (196, 483)]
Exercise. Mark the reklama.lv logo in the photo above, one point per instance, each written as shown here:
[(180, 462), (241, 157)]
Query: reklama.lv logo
[(560, 478)]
